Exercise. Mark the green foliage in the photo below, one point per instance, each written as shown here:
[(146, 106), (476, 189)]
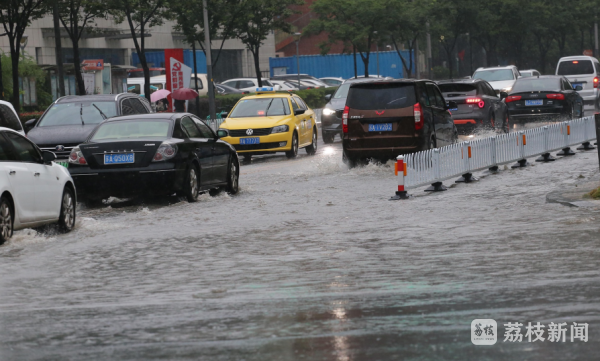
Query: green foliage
[(27, 68), (314, 98), (595, 194)]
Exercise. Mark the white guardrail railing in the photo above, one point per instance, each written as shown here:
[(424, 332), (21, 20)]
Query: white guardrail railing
[(462, 159)]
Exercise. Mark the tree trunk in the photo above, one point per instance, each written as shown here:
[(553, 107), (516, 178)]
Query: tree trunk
[(14, 59), (1, 80), (257, 65), (144, 64), (365, 60), (449, 55), (355, 66), (77, 65)]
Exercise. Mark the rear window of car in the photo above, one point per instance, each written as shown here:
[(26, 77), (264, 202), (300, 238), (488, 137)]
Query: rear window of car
[(9, 119), (575, 67), (381, 96), (536, 84), (263, 107), (139, 129), (458, 89)]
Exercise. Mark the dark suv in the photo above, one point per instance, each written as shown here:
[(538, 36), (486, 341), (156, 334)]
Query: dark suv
[(384, 119), (69, 120), (477, 104), (331, 117)]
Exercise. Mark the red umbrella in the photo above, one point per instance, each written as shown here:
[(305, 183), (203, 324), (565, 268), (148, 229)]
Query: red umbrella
[(184, 94)]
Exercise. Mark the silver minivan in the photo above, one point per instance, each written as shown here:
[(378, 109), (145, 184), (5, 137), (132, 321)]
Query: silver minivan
[(584, 74)]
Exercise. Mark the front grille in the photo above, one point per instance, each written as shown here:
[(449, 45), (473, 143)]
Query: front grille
[(257, 146), (59, 155), (255, 132)]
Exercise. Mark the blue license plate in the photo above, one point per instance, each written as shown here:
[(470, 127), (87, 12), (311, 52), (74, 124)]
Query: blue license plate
[(385, 127), (534, 102), (453, 109), (255, 140), (121, 158), (576, 84)]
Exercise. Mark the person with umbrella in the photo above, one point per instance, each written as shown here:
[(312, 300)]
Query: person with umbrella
[(180, 96)]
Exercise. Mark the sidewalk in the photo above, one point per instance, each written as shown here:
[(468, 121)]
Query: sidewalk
[(576, 195)]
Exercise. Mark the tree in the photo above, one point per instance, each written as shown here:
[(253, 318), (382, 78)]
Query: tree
[(15, 16), (257, 19), (140, 16), (76, 16)]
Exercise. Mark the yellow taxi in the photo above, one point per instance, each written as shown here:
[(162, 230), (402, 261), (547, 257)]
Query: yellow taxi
[(270, 122)]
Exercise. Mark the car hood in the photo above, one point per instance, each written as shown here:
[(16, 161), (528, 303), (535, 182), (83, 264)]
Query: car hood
[(60, 134), (254, 122), (336, 104), (499, 85)]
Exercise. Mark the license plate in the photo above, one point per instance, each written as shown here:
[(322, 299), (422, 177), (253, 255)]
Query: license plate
[(255, 140), (576, 84), (64, 164), (122, 158), (385, 127), (534, 102), (452, 109)]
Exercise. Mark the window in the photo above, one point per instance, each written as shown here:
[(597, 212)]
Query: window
[(489, 90), (260, 108), (342, 91), (597, 66), (536, 84), (439, 99), (74, 112), (435, 100), (5, 151), (26, 151), (575, 67), (127, 108), (137, 106), (301, 103), (190, 128), (294, 105), (494, 75), (8, 118), (246, 84), (423, 94), (134, 88), (374, 96), (198, 80), (132, 129), (204, 129), (232, 83), (458, 89)]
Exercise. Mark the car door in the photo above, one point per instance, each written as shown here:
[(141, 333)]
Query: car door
[(220, 152), (299, 120), (201, 147), (21, 178), (309, 120), (438, 110)]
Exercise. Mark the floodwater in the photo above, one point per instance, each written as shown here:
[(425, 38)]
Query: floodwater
[(310, 261)]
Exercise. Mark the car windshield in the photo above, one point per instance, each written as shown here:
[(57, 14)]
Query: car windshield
[(263, 107), (494, 75), (575, 67), (536, 84), (526, 74), (132, 129), (458, 89), (73, 113), (342, 91), (381, 96)]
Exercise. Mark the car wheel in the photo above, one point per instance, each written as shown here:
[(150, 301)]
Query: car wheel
[(6, 220), (312, 148), (233, 177), (328, 138), (292, 153), (192, 188), (68, 211), (351, 162)]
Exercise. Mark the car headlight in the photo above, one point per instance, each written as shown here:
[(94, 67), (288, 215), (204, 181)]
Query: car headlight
[(506, 90), (327, 111), (280, 129)]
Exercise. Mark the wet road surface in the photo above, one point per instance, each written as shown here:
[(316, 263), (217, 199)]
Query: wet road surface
[(310, 261)]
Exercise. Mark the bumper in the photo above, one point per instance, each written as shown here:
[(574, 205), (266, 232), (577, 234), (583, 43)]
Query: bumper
[(272, 143), (103, 183), (537, 114)]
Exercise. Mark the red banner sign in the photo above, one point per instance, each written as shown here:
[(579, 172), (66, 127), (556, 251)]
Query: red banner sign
[(176, 54), (92, 64)]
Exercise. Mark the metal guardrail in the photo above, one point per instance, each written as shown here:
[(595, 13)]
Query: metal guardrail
[(462, 159)]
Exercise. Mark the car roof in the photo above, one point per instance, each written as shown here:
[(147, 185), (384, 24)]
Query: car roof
[(94, 97), (150, 116), (462, 81), (283, 94), (497, 67), (541, 77), (361, 80), (578, 57)]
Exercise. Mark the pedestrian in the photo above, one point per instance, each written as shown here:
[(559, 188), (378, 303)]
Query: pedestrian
[(179, 106)]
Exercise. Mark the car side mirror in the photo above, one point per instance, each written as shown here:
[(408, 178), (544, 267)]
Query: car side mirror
[(577, 88), (221, 133), (503, 95), (224, 114), (328, 97), (29, 124), (299, 111), (48, 156), (452, 105)]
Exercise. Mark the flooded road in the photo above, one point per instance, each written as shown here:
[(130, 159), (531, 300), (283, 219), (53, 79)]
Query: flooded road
[(310, 261)]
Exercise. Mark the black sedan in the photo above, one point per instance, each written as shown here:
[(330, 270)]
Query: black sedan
[(478, 106), (547, 97), (162, 153)]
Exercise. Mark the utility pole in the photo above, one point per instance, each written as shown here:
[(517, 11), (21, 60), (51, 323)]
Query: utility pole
[(596, 39), (418, 76), (1, 81), (211, 89), (429, 61), (298, 57), (59, 59), (196, 77)]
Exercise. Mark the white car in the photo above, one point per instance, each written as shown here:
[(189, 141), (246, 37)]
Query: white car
[(35, 191), (582, 71), (248, 84), (9, 118), (501, 78), (529, 73), (332, 81), (285, 85)]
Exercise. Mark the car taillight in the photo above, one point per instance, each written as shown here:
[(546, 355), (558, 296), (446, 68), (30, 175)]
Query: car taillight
[(418, 116), (165, 151), (345, 119), (556, 96), (480, 103), (76, 157), (513, 98), (596, 79)]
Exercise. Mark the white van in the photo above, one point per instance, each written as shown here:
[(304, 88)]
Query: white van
[(136, 85), (582, 71)]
